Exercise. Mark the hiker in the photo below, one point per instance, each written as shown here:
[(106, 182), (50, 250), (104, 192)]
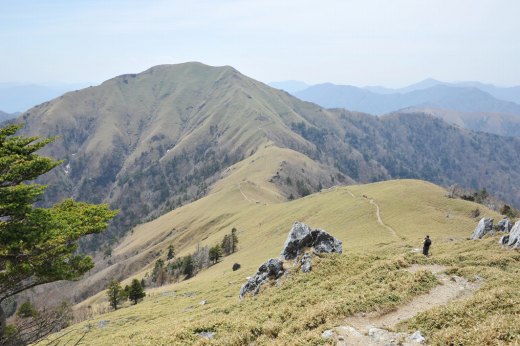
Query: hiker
[(426, 246)]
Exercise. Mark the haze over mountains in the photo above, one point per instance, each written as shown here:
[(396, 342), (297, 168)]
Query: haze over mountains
[(150, 142), (6, 116), (187, 151), (473, 105)]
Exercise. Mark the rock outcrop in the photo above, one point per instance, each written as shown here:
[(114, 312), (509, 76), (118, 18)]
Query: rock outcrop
[(306, 263), (514, 236), (504, 225), (272, 269), (484, 227), (301, 239), (302, 236)]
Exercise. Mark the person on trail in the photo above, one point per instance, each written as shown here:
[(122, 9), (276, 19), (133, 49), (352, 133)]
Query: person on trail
[(426, 246)]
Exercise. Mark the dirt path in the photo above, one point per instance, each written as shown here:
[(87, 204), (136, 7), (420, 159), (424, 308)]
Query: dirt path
[(380, 220), (372, 328), (243, 194), (378, 214)]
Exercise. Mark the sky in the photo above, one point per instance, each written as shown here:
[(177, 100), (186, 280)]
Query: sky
[(359, 42)]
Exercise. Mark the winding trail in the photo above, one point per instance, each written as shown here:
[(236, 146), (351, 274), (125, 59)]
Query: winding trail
[(380, 220), (372, 328), (378, 214)]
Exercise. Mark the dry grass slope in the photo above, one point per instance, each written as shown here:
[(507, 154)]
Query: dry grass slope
[(369, 275)]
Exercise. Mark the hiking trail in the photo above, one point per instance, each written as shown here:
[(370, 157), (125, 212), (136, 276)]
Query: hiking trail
[(378, 214), (373, 328)]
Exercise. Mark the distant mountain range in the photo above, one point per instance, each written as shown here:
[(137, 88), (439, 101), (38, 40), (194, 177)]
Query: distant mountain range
[(6, 116), (159, 140), (463, 99), (149, 142), (291, 86), (473, 105), (17, 97)]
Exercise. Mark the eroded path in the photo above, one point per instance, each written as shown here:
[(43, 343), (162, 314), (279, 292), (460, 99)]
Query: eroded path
[(372, 328), (378, 214), (380, 220)]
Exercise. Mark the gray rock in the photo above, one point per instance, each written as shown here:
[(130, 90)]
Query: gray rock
[(328, 334), (349, 330), (514, 236), (485, 225), (504, 240), (306, 263), (207, 335), (417, 337), (378, 334), (325, 243), (302, 236), (203, 302), (504, 225), (102, 324), (272, 269), (298, 239)]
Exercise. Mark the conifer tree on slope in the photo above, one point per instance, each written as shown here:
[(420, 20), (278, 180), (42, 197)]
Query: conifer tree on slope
[(136, 291), (38, 245)]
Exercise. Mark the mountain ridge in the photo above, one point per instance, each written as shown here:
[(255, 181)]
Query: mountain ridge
[(167, 133), (465, 99)]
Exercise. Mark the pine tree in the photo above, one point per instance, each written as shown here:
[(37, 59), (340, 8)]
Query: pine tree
[(215, 253), (136, 291), (171, 253), (234, 240), (38, 245), (188, 266), (114, 293)]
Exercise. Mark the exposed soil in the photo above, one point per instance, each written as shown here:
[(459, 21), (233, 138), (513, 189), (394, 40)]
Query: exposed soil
[(373, 328)]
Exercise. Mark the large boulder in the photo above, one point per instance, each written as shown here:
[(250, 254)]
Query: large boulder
[(504, 225), (272, 269), (299, 238), (514, 236), (485, 225), (302, 236), (325, 243)]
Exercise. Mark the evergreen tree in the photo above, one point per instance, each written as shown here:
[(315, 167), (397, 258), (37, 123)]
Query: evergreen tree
[(188, 266), (136, 291), (230, 242), (38, 245), (114, 293), (234, 240), (215, 253), (171, 253)]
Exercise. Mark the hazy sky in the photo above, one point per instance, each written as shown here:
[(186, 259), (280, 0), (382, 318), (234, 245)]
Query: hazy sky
[(365, 42)]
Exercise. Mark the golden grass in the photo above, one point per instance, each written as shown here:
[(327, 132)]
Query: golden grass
[(302, 306), (492, 315), (367, 277)]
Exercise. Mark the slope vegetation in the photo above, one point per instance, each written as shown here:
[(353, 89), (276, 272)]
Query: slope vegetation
[(213, 145), (371, 275), (150, 142)]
